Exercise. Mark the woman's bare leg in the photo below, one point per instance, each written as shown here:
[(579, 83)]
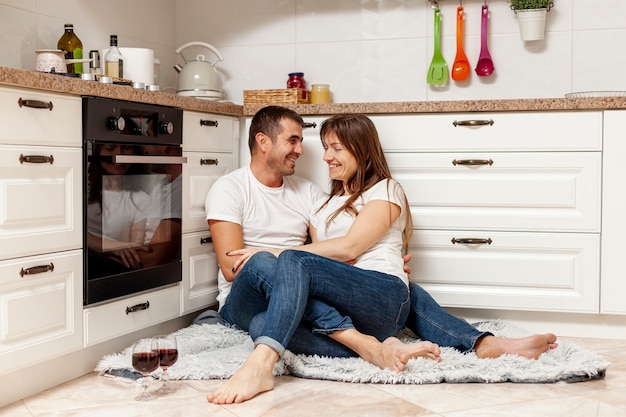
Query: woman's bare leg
[(254, 377), (529, 347), (391, 354)]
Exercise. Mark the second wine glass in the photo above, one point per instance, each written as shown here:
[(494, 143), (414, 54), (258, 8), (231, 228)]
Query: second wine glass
[(168, 355)]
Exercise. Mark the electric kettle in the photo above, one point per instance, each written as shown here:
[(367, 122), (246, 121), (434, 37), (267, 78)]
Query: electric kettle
[(198, 78)]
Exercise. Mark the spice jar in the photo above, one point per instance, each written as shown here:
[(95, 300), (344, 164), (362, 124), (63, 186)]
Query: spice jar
[(320, 94), (296, 80)]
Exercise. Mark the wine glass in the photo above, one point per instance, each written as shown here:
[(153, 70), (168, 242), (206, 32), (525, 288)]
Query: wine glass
[(145, 356), (168, 355)]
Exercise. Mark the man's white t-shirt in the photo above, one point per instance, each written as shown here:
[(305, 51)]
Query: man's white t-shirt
[(271, 217), (386, 254)]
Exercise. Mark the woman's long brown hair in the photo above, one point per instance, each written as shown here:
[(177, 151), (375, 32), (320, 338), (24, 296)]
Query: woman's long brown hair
[(359, 136)]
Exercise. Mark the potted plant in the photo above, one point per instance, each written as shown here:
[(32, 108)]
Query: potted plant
[(531, 16)]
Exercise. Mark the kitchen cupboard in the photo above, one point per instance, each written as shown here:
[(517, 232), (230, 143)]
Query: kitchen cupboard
[(211, 146), (41, 274), (613, 281)]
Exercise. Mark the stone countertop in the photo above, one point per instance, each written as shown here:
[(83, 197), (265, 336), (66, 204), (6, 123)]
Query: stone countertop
[(59, 84)]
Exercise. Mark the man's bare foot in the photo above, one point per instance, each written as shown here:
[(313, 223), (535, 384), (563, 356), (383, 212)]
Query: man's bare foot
[(254, 377), (529, 347)]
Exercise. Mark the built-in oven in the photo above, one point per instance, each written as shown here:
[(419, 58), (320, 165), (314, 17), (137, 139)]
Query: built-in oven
[(132, 197)]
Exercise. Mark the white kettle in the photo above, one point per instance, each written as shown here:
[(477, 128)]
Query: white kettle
[(198, 78)]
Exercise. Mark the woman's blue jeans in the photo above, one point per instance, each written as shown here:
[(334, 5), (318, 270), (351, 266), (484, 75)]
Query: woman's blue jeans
[(298, 288)]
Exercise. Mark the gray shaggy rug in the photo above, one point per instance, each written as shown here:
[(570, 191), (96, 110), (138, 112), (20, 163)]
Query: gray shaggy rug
[(216, 352)]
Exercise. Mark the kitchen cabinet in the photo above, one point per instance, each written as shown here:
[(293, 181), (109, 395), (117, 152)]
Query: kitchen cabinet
[(211, 145), (613, 283), (506, 206), (40, 227)]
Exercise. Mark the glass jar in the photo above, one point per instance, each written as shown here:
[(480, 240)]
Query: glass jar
[(296, 80), (320, 94)]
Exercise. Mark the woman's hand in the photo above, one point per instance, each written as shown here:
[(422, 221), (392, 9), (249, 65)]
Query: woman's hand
[(245, 254)]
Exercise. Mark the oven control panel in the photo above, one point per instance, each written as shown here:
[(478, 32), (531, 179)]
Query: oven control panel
[(119, 120)]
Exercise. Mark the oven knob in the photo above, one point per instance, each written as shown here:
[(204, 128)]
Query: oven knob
[(117, 123), (166, 128)]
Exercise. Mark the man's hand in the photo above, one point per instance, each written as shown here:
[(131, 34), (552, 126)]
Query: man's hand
[(407, 258)]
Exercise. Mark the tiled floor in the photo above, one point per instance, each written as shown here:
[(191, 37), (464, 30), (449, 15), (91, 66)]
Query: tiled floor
[(94, 396)]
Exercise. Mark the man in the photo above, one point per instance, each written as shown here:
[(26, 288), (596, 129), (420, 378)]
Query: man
[(244, 209)]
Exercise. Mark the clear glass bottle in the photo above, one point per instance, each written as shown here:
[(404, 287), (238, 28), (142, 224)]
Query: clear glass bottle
[(73, 48), (113, 61)]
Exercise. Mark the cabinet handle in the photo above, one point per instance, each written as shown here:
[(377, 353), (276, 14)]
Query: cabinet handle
[(204, 240), (471, 241), (36, 159), (473, 123), (37, 270), (35, 104), (213, 123), (306, 125), (472, 162), (209, 161), (138, 307)]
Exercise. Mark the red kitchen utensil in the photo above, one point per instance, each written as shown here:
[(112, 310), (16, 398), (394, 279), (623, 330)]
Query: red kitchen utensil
[(484, 67), (461, 67)]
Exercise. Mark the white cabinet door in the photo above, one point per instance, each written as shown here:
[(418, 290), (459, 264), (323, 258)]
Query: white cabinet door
[(41, 307), (475, 132), (516, 271), (118, 318), (40, 200), (541, 191), (613, 214), (209, 132), (199, 174), (33, 117), (199, 286)]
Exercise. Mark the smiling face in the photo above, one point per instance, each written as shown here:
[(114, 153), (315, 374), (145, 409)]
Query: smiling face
[(342, 164), (285, 148)]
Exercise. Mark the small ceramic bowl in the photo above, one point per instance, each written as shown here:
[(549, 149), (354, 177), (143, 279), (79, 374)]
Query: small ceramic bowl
[(50, 59)]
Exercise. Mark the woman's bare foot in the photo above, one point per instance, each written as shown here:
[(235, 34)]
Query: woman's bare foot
[(254, 377), (422, 349), (529, 347)]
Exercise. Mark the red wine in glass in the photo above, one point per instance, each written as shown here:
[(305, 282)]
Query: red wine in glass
[(168, 355), (145, 359)]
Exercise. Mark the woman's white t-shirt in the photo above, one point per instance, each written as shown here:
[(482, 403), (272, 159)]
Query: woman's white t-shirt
[(386, 254)]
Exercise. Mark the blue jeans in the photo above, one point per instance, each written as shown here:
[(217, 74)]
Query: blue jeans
[(299, 287), (431, 322)]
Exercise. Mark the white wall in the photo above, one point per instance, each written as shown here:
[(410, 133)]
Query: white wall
[(366, 50), (27, 25), (380, 50)]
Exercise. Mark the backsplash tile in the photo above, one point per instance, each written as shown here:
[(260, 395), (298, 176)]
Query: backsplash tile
[(367, 50)]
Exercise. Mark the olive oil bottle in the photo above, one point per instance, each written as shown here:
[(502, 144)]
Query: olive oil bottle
[(73, 48)]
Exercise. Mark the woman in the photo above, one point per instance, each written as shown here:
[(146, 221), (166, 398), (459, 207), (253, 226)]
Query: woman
[(366, 219)]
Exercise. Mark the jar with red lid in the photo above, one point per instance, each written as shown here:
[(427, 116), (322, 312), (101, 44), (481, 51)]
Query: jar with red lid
[(296, 80)]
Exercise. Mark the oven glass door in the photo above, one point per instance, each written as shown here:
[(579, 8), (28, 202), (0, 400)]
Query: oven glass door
[(133, 218)]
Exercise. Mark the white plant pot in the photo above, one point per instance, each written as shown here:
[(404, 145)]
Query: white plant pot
[(532, 24)]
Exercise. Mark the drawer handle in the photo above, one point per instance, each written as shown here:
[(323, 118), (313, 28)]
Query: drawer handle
[(35, 104), (37, 270), (472, 162), (471, 241), (36, 159), (209, 161), (208, 122), (138, 307), (473, 123), (204, 240), (306, 125)]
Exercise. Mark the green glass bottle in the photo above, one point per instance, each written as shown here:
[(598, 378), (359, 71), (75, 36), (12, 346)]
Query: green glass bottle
[(73, 48)]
